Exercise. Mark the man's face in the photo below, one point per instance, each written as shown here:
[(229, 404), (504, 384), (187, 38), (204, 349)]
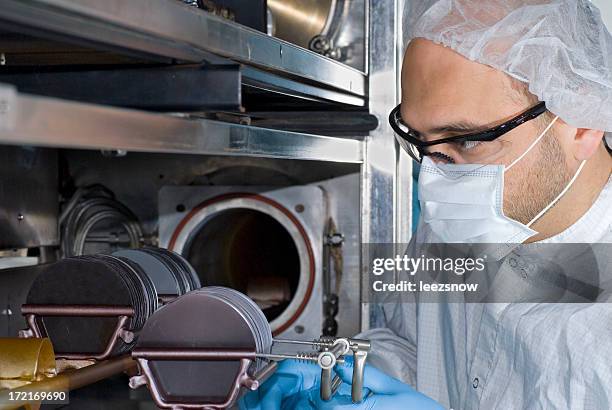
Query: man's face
[(445, 94)]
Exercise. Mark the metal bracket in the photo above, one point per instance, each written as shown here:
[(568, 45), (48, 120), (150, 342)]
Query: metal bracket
[(145, 355), (332, 255), (122, 313)]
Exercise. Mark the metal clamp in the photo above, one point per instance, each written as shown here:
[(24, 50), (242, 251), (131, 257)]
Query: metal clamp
[(332, 351)]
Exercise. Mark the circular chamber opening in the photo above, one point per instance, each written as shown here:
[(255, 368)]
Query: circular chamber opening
[(250, 251)]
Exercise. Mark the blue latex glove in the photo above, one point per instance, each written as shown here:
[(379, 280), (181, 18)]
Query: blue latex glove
[(381, 392), (288, 388)]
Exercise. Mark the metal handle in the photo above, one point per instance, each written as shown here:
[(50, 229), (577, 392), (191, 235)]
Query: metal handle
[(326, 384), (359, 359), (334, 351)]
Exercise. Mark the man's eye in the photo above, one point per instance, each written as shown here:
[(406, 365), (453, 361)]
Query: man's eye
[(468, 145)]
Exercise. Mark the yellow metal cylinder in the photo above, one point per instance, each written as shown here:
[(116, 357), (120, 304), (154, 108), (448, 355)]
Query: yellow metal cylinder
[(23, 361)]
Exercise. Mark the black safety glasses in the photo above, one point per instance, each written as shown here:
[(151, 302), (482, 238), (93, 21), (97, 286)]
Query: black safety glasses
[(473, 147)]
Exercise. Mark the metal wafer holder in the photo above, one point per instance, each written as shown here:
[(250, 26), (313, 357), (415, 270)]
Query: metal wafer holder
[(328, 352), (35, 314), (147, 376)]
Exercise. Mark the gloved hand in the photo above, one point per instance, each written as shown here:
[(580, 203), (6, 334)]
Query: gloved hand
[(287, 388), (381, 392)]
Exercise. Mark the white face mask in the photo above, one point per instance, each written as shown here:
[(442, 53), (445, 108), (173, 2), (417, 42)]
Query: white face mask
[(463, 203)]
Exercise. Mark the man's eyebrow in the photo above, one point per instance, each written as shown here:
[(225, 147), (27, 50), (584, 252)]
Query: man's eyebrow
[(463, 127), (466, 127)]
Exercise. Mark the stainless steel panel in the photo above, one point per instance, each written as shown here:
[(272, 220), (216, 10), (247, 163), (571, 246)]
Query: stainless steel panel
[(31, 120), (16, 277), (343, 205), (405, 167), (28, 194), (351, 34), (380, 199), (404, 186), (312, 218), (173, 30)]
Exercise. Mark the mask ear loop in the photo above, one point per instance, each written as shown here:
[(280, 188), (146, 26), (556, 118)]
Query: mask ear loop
[(567, 187), (533, 144)]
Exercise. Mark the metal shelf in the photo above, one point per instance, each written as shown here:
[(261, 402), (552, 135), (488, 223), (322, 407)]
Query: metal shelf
[(168, 29), (41, 121)]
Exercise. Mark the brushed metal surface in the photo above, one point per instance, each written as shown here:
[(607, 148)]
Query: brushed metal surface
[(381, 197), (171, 30), (43, 121), (343, 204), (28, 194)]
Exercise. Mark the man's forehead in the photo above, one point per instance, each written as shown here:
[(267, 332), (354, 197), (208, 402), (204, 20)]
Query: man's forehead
[(440, 85)]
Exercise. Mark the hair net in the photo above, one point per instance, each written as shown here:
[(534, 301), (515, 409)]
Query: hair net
[(561, 48)]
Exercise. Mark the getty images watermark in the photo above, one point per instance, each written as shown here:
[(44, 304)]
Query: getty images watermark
[(405, 265), (489, 273)]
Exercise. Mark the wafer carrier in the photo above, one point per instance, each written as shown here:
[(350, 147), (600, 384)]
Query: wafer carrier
[(196, 347)]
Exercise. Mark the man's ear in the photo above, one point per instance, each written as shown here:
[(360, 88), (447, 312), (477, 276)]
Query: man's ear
[(586, 142)]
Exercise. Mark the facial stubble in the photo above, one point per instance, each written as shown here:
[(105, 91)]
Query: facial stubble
[(539, 184)]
